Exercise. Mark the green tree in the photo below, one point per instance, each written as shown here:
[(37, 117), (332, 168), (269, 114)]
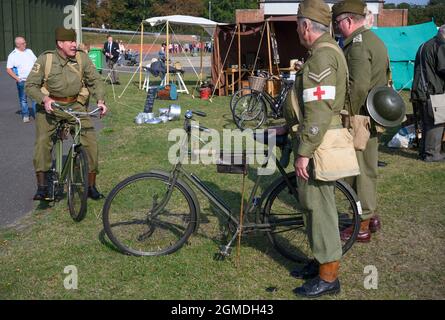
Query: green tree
[(224, 10)]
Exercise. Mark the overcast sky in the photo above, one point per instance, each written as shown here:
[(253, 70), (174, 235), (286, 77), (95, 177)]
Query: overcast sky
[(408, 1)]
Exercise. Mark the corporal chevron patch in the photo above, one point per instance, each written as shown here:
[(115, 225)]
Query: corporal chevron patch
[(319, 77), (357, 38)]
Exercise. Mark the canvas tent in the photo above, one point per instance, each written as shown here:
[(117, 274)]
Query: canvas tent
[(251, 46), (402, 44)]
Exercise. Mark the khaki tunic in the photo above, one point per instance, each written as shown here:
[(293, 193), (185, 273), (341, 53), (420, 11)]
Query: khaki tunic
[(63, 81), (367, 59)]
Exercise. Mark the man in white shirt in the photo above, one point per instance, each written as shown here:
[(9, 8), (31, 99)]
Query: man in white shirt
[(19, 65)]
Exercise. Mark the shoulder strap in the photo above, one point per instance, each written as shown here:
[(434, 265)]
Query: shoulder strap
[(422, 77), (389, 73), (79, 62), (48, 65), (342, 55)]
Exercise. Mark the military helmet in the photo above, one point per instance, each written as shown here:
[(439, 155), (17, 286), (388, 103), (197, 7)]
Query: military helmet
[(386, 107)]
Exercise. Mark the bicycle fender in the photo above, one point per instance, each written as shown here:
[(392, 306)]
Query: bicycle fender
[(189, 190)]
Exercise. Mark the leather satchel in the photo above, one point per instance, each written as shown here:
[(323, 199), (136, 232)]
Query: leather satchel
[(436, 102)]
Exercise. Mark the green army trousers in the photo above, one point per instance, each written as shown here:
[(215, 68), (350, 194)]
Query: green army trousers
[(46, 125), (365, 184), (321, 217)]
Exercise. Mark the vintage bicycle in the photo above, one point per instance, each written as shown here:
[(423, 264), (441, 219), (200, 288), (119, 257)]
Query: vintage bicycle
[(154, 213), (69, 172), (250, 106)]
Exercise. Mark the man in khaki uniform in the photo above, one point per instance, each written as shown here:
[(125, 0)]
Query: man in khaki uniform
[(71, 73), (368, 64), (320, 89)]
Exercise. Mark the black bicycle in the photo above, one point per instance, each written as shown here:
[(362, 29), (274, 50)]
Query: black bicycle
[(154, 213), (249, 111)]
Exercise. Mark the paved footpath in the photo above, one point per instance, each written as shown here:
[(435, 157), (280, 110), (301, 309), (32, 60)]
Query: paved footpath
[(17, 178)]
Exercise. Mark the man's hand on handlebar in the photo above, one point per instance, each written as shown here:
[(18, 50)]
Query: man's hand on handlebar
[(48, 104), (103, 108)]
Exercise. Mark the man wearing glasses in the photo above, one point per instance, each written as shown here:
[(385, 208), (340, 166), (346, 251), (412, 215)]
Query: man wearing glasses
[(19, 65), (368, 65)]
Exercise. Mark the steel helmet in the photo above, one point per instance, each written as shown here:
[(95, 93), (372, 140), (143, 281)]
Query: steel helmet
[(386, 107)]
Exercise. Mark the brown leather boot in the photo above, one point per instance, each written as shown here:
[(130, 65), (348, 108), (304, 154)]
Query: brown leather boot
[(375, 224), (93, 193), (326, 283), (42, 187), (363, 236)]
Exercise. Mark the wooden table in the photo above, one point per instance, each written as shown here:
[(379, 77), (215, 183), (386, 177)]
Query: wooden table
[(230, 86)]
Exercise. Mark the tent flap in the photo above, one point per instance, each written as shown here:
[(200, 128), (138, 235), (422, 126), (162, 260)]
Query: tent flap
[(402, 44), (207, 24)]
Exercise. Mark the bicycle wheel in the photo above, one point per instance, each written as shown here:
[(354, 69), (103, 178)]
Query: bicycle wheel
[(235, 97), (249, 112), (141, 219), (288, 232), (77, 181)]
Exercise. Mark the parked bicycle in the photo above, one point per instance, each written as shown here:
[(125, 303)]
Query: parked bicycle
[(154, 213), (69, 173), (250, 106)]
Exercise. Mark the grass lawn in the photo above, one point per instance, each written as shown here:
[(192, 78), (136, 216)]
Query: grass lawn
[(408, 252)]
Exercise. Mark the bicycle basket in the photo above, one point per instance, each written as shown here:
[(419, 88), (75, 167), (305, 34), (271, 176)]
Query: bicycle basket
[(234, 163), (257, 83)]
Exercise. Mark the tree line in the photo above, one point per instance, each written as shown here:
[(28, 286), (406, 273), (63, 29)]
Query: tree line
[(435, 9), (126, 14)]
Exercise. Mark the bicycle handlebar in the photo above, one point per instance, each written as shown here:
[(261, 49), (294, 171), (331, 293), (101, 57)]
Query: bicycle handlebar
[(76, 113)]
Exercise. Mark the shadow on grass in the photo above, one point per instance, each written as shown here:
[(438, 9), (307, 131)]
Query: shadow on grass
[(106, 242), (406, 153), (257, 240)]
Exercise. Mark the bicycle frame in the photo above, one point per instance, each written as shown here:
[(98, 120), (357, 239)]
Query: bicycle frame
[(62, 169), (276, 103), (179, 172)]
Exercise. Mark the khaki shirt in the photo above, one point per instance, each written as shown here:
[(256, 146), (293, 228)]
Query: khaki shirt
[(319, 91), (368, 65), (63, 80)]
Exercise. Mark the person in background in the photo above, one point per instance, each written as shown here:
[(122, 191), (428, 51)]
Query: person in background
[(19, 65), (121, 53), (429, 78), (111, 51)]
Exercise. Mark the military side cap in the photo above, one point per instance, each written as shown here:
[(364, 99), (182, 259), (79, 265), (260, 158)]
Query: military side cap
[(63, 34), (349, 6), (316, 10)]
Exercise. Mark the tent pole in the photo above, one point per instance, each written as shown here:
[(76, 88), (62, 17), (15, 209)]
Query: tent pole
[(167, 82), (202, 59), (239, 59), (141, 55), (268, 47)]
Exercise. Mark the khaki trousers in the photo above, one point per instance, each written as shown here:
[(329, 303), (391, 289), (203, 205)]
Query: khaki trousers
[(46, 125)]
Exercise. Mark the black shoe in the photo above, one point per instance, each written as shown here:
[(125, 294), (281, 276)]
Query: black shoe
[(382, 164), (308, 271), (41, 194), (317, 287), (94, 194)]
